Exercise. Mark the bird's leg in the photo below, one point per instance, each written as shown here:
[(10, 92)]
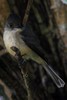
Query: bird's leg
[(18, 56)]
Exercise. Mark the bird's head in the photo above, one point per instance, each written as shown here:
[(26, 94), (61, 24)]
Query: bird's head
[(13, 22)]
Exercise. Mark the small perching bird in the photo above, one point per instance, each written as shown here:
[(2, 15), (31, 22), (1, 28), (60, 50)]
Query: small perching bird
[(28, 44)]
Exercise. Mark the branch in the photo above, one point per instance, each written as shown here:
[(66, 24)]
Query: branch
[(24, 72), (27, 11)]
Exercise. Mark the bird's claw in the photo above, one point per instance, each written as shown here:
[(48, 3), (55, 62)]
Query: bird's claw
[(16, 50), (18, 55)]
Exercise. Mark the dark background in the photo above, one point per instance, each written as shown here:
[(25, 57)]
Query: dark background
[(47, 18)]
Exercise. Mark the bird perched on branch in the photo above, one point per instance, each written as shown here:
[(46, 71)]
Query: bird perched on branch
[(23, 38)]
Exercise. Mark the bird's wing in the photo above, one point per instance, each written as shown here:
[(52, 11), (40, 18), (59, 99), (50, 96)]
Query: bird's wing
[(31, 39)]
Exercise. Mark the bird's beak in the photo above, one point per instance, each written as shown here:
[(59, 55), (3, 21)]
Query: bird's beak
[(18, 30)]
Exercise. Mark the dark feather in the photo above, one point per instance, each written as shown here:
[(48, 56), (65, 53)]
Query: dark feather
[(31, 39)]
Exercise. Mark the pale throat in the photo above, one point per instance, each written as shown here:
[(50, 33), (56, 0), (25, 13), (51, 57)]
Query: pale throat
[(10, 38)]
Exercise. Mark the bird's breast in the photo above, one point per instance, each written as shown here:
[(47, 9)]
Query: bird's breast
[(12, 39)]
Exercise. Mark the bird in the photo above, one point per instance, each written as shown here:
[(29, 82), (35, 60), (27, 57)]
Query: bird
[(22, 37)]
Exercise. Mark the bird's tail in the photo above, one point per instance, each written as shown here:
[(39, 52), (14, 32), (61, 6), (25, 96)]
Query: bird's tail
[(56, 79)]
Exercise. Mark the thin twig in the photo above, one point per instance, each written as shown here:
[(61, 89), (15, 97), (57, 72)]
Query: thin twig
[(24, 72), (25, 77), (27, 11)]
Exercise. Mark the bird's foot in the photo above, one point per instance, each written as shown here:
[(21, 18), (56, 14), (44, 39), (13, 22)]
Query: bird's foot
[(17, 52), (18, 56)]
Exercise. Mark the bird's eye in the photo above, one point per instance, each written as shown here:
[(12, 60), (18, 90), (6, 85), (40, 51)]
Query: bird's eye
[(11, 25)]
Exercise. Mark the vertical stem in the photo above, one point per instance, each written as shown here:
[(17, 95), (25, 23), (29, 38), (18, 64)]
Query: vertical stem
[(27, 11), (25, 77)]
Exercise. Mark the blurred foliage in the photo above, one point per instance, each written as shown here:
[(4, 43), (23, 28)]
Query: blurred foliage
[(49, 20)]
